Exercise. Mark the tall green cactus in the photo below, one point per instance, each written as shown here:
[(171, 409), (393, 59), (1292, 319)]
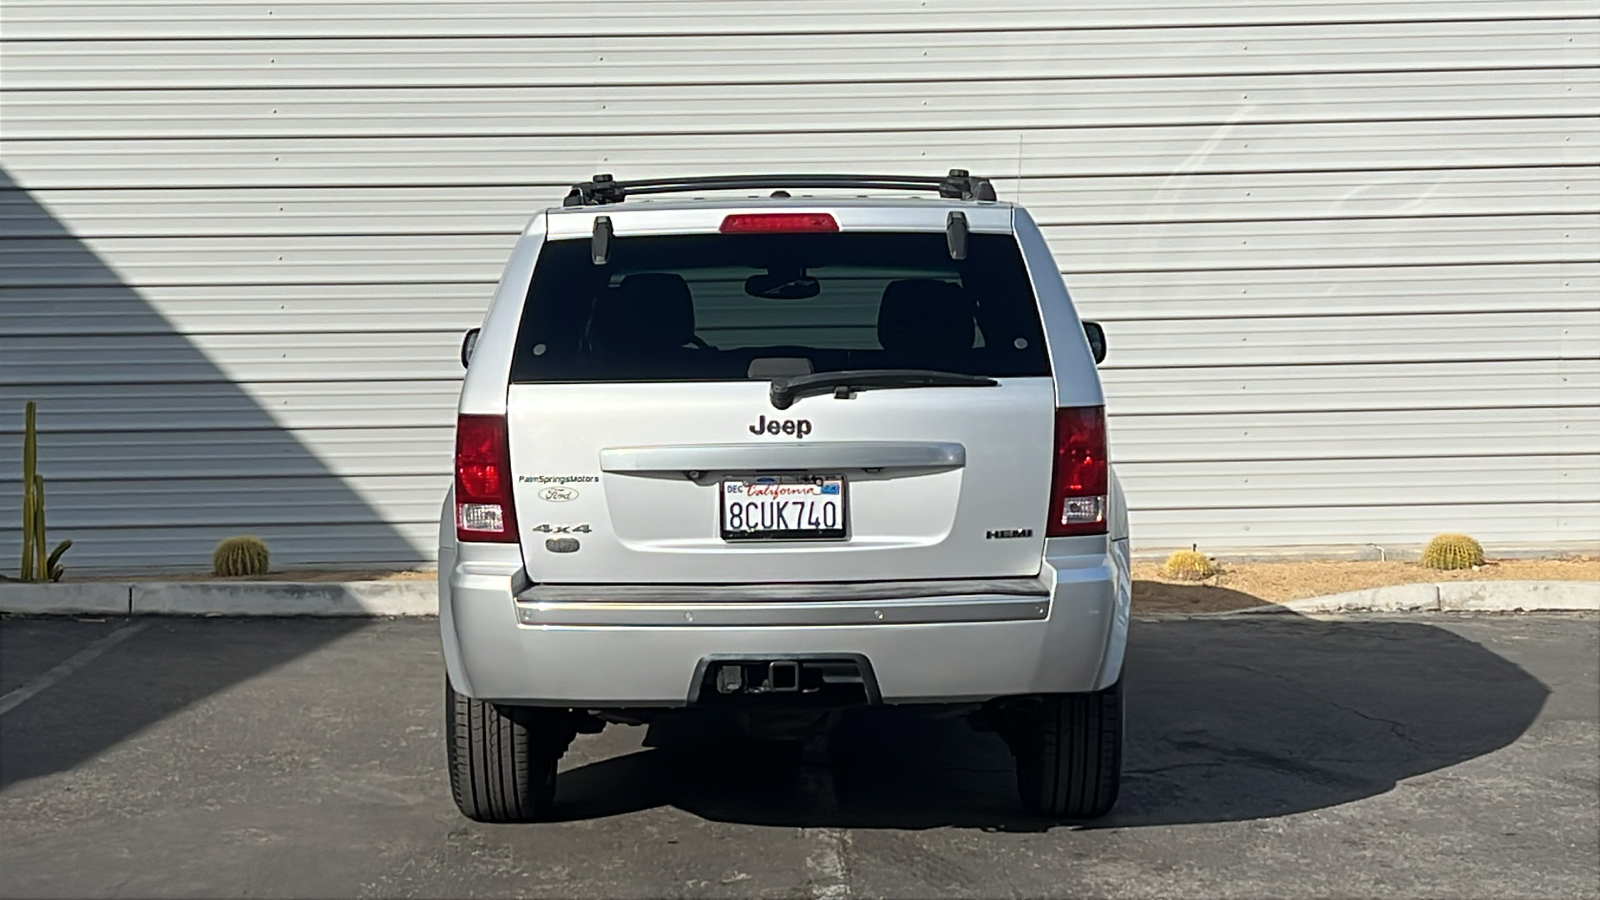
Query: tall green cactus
[(36, 566), (30, 453)]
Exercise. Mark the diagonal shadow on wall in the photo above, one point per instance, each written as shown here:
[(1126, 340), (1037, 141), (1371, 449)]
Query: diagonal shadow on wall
[(151, 454), (150, 451)]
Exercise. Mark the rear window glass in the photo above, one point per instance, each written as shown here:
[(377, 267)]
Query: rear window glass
[(712, 307)]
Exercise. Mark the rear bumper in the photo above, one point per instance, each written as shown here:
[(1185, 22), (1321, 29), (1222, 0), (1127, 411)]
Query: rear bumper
[(1060, 633)]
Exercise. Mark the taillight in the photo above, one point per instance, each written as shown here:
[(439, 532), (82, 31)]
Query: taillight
[(1078, 481), (484, 510), (770, 223)]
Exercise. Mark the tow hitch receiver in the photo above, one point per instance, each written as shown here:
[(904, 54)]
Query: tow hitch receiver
[(781, 676), (830, 681)]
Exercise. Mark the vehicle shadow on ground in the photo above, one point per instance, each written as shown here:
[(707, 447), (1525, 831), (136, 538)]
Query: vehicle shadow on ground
[(1165, 597), (1228, 720)]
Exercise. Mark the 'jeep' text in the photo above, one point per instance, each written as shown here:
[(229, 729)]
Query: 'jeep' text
[(797, 427)]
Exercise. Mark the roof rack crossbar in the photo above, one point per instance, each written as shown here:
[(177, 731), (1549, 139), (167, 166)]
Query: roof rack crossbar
[(603, 189)]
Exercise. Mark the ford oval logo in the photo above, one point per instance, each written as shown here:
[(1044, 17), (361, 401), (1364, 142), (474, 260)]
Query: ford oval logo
[(558, 494)]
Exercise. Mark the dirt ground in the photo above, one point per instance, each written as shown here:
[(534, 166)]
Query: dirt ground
[(1243, 585)]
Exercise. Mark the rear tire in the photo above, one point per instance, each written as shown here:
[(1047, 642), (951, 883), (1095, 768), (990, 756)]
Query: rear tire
[(1069, 754), (503, 758)]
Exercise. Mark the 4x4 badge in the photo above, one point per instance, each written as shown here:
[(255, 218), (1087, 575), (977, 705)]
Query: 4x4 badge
[(547, 528)]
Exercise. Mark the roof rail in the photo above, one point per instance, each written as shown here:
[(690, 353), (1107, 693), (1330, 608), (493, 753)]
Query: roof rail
[(603, 189)]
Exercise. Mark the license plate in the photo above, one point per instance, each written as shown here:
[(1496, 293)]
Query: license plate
[(783, 508)]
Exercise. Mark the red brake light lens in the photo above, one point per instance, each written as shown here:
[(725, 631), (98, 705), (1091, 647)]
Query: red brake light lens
[(772, 223), (1079, 480), (484, 508)]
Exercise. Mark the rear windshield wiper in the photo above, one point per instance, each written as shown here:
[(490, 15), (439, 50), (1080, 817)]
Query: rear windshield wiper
[(787, 390)]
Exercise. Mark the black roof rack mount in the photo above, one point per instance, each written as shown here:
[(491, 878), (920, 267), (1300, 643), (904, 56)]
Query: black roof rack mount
[(603, 189)]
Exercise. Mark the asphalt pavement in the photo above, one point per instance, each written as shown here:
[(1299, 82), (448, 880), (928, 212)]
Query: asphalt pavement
[(1431, 756)]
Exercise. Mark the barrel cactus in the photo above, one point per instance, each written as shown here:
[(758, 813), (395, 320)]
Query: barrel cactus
[(242, 555), (1452, 551), (1189, 565)]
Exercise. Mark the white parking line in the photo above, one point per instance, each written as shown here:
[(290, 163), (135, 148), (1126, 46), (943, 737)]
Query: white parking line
[(71, 664)]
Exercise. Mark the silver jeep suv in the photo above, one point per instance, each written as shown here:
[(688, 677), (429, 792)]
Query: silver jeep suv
[(771, 457)]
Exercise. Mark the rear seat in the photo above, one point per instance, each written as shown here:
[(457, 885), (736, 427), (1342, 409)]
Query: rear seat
[(926, 324), (645, 323)]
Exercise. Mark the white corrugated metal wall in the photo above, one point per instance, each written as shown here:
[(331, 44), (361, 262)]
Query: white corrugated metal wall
[(1348, 253)]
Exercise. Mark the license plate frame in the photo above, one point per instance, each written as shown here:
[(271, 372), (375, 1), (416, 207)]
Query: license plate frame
[(816, 490)]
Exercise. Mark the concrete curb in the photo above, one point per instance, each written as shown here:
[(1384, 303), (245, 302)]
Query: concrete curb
[(1528, 595), (1451, 596), (99, 598), (421, 598), (286, 598), (225, 598)]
